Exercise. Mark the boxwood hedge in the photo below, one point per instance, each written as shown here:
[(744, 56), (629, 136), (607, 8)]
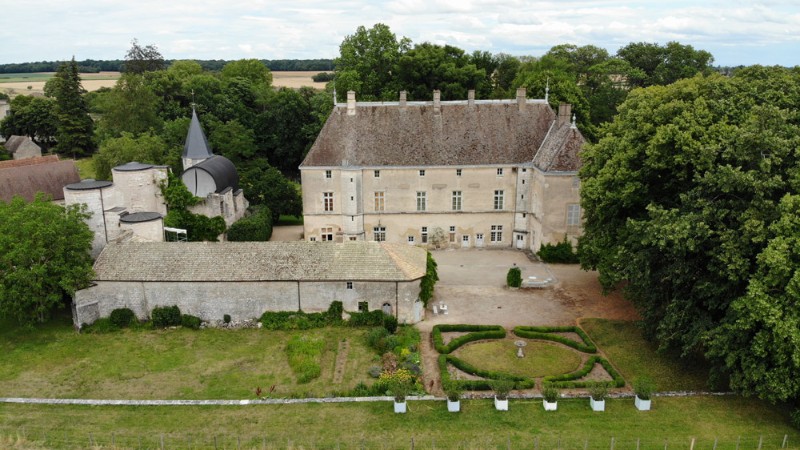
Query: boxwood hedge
[(520, 382), (546, 333), (479, 332), (568, 380)]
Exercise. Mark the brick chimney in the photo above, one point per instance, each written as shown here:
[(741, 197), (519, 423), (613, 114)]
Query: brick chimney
[(521, 98), (564, 112), (351, 103), (471, 97), (403, 98), (437, 102)]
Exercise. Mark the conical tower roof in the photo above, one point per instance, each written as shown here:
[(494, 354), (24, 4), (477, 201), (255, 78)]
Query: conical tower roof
[(196, 146)]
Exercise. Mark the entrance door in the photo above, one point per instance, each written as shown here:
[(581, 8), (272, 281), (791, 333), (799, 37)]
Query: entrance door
[(520, 241), (479, 240), (465, 240)]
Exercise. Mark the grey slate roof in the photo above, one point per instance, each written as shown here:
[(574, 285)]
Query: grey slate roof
[(221, 170), (561, 149), (15, 142), (260, 261), (414, 135), (196, 146)]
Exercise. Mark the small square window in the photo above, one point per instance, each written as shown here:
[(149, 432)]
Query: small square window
[(349, 285), (452, 229), (328, 174), (422, 172), (411, 240), (499, 171), (458, 172), (377, 174)]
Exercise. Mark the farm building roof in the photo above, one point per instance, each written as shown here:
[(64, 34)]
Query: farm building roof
[(26, 177), (260, 261), (14, 143)]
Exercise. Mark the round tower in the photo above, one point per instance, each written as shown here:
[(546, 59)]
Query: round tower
[(95, 195)]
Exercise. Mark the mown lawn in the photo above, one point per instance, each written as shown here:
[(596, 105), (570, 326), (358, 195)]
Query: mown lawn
[(374, 425), (54, 361), (541, 358), (633, 356)]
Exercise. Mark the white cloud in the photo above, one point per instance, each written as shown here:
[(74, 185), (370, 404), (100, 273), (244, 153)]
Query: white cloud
[(735, 31)]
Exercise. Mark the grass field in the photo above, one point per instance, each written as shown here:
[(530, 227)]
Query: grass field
[(168, 364), (633, 356), (18, 83), (541, 358), (373, 425), (85, 168)]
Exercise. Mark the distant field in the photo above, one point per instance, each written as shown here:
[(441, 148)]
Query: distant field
[(18, 83)]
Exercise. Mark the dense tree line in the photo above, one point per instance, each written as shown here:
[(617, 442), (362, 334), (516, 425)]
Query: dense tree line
[(376, 64), (691, 203), (213, 65)]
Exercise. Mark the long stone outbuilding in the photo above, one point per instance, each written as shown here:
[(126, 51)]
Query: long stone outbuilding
[(245, 279)]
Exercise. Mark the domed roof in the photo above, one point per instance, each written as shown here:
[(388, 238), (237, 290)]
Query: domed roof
[(133, 166), (139, 217), (221, 170), (88, 184)]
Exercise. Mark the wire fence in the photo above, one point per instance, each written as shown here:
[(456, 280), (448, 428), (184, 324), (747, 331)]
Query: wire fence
[(24, 438)]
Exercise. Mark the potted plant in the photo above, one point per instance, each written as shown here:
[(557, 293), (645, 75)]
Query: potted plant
[(550, 394), (643, 387), (597, 396), (400, 391), (453, 392), (501, 388)]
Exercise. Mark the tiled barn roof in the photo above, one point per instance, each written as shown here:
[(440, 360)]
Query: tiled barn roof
[(26, 177), (260, 261)]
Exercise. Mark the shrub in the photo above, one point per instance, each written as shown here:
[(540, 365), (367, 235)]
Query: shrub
[(255, 227), (546, 333), (428, 282), (514, 277), (452, 390), (480, 332), (561, 253), (643, 387), (190, 321), (795, 417), (550, 393), (335, 311), (166, 316), (502, 387), (122, 317), (367, 318), (390, 323), (375, 338), (99, 326), (598, 391), (323, 77)]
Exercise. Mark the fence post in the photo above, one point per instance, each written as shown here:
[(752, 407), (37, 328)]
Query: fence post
[(738, 440), (162, 442), (665, 443), (412, 443), (715, 443), (508, 443), (536, 443), (760, 440), (585, 443), (113, 440), (637, 443), (785, 438), (612, 442), (691, 446), (91, 439), (215, 442)]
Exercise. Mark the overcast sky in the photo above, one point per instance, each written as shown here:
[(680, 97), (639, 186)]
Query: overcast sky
[(734, 31)]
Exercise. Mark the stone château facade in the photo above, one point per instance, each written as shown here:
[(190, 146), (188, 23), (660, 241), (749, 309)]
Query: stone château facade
[(491, 173)]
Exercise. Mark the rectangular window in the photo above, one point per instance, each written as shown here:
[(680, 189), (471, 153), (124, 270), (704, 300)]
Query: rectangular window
[(379, 201), (498, 199), (327, 201), (497, 233), (349, 285), (379, 234), (328, 174), (452, 234), (327, 234), (499, 171), (573, 215), (313, 239), (411, 240), (424, 235), (422, 201), (456, 200), (377, 174), (422, 172), (458, 172), (465, 239)]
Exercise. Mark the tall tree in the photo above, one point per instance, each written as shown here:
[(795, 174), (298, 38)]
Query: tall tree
[(665, 65), (685, 201), (44, 256), (365, 63), (141, 59), (130, 107), (145, 148), (428, 66), (75, 127)]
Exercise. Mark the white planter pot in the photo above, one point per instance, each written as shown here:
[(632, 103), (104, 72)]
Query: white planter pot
[(597, 405), (454, 406), (642, 405), (400, 407), (550, 406), (501, 405)]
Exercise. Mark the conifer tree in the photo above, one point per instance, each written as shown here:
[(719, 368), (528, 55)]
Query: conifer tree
[(75, 128)]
